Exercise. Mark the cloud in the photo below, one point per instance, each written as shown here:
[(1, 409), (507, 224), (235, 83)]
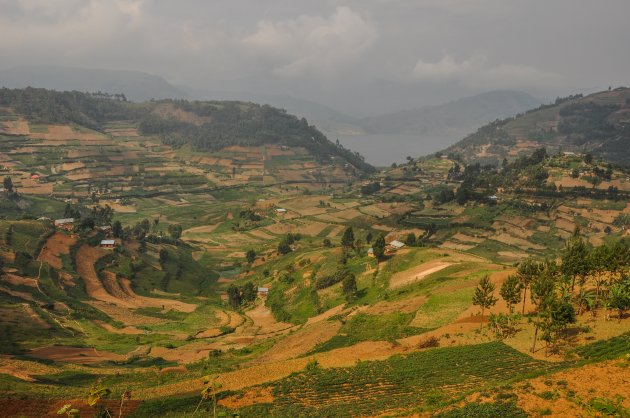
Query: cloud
[(311, 45), (476, 71)]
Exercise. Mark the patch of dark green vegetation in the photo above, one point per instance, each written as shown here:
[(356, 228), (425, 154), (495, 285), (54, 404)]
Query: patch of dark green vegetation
[(606, 349), (485, 410)]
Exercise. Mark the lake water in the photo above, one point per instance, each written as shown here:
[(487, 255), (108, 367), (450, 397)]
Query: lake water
[(385, 149)]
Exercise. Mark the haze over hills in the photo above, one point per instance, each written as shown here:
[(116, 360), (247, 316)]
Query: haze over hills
[(442, 123), (598, 123), (135, 85), (457, 117)]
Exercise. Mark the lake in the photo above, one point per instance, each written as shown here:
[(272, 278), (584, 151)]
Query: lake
[(385, 149)]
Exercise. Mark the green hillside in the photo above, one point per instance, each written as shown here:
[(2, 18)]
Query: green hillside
[(597, 123), (203, 125)]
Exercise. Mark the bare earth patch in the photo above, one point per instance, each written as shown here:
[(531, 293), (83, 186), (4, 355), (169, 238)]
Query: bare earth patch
[(417, 273)]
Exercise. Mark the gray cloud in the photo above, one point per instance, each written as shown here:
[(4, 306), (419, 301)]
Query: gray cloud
[(387, 53)]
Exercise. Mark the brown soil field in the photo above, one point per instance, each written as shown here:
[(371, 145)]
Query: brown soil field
[(325, 315), (59, 243), (85, 259), (259, 233), (417, 273), (409, 305), (515, 241), (265, 322), (74, 355), (562, 223), (300, 342), (348, 214), (72, 166), (313, 228), (124, 316), (457, 246), (16, 280), (124, 330), (16, 127), (17, 294), (280, 228), (253, 396), (205, 229), (603, 380)]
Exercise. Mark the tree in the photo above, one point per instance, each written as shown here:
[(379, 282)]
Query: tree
[(349, 286), (8, 184), (511, 291), (250, 256), (175, 230), (284, 247), (410, 239), (249, 292), (619, 296), (163, 256), (379, 247), (327, 243), (368, 237), (117, 229), (527, 272), (484, 296), (22, 260), (575, 259), (347, 240), (234, 296), (543, 297)]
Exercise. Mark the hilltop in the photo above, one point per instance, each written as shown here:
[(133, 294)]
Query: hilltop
[(597, 123)]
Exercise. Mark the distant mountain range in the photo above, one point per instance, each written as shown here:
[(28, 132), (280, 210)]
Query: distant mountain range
[(135, 85), (598, 123), (457, 118)]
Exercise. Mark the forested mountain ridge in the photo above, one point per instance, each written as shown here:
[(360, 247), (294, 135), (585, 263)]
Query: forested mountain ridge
[(597, 123), (206, 126)]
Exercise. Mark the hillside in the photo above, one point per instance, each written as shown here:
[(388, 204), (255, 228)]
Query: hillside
[(596, 124), (456, 118), (197, 127), (136, 85), (196, 265)]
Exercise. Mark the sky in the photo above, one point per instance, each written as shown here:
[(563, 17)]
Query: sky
[(359, 56)]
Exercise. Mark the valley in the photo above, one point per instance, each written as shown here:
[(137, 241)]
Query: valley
[(227, 255)]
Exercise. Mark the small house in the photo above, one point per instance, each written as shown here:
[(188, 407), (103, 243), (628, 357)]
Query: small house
[(35, 177), (66, 223), (263, 291), (394, 246), (397, 245), (370, 252), (281, 211), (108, 244)]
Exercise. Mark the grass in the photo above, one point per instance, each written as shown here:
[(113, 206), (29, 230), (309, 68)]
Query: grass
[(401, 381), (364, 327)]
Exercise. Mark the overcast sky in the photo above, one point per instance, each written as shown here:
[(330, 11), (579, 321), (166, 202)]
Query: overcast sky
[(342, 53)]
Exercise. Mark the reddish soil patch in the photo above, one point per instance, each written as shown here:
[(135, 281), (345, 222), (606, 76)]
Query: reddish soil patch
[(606, 380), (76, 355), (38, 408), (251, 397)]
